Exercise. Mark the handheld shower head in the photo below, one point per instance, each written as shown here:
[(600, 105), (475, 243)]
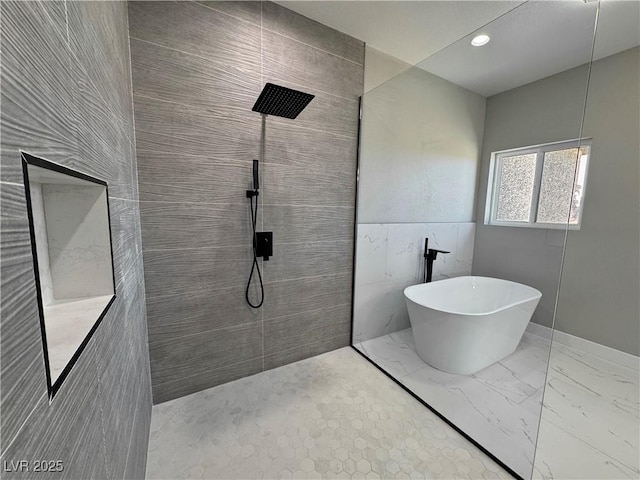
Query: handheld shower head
[(281, 101), (256, 181)]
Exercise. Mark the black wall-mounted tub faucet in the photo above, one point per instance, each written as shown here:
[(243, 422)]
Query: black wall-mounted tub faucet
[(430, 254)]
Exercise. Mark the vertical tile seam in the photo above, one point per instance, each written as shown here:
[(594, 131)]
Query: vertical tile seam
[(202, 112), (139, 219), (315, 47), (264, 280), (73, 56), (206, 58), (100, 404), (90, 80), (132, 431)]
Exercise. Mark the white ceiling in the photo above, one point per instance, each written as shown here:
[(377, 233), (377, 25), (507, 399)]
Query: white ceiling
[(535, 40), (408, 30)]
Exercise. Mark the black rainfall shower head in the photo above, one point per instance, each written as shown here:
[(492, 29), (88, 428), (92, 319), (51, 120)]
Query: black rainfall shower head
[(281, 101)]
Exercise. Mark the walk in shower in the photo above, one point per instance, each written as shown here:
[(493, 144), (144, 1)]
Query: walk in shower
[(515, 149)]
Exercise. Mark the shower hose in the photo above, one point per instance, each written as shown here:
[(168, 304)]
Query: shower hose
[(255, 267)]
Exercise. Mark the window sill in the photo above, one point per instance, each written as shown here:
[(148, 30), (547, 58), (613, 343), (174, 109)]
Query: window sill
[(539, 226)]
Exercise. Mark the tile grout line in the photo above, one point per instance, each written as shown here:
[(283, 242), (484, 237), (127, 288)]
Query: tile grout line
[(332, 337), (241, 110), (230, 160), (286, 36), (584, 442), (250, 359), (209, 371), (315, 48), (350, 99), (43, 397), (226, 204), (123, 199), (240, 326), (331, 275), (197, 374), (235, 162), (210, 248), (241, 246), (314, 205), (313, 310), (184, 52), (73, 57)]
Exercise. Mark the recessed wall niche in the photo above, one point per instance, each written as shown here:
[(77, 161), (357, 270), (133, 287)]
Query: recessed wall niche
[(73, 259)]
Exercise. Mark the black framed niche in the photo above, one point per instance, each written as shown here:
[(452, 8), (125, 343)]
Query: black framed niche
[(70, 230)]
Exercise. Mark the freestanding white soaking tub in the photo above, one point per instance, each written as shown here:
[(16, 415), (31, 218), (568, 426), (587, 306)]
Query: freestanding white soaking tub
[(464, 324)]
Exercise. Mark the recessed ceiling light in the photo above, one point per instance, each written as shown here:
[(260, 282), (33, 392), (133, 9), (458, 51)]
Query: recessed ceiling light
[(480, 40)]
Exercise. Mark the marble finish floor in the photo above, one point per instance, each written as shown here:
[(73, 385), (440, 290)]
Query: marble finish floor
[(590, 426), (332, 416), (499, 406)]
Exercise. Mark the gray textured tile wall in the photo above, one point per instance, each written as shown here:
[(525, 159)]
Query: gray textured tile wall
[(198, 67), (66, 96)]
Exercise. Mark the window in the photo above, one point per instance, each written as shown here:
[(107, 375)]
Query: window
[(540, 186)]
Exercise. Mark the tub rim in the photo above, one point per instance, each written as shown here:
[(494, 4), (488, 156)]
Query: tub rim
[(536, 295)]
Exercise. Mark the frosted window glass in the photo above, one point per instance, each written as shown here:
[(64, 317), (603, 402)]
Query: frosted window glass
[(515, 188), (559, 199)]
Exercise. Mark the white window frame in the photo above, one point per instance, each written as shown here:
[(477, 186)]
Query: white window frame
[(495, 171)]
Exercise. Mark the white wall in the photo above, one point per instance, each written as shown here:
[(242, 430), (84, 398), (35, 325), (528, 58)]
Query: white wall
[(599, 293), (77, 228), (380, 67), (42, 243), (420, 143), (389, 259), (420, 150), (544, 111), (600, 282)]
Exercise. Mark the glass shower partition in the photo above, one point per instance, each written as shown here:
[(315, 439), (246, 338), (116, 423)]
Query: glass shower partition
[(475, 149), (590, 423)]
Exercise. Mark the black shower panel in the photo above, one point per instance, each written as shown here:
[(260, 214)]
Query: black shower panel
[(281, 102)]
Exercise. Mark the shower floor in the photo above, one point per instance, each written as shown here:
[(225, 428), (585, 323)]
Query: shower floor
[(590, 423), (331, 416)]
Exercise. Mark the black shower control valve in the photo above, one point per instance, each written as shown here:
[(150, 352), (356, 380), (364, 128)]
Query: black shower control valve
[(252, 193), (264, 245)]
